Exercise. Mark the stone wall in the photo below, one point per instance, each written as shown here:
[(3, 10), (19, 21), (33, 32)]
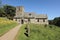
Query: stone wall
[(40, 21), (32, 21)]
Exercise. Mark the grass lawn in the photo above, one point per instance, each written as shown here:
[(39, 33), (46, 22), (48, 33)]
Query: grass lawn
[(6, 25), (39, 32)]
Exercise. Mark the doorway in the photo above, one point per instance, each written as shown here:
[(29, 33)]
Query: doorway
[(22, 21)]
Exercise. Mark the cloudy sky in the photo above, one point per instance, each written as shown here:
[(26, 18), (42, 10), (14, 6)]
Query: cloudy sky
[(49, 7)]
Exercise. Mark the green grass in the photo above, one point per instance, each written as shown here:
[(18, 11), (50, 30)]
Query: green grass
[(6, 25), (40, 32)]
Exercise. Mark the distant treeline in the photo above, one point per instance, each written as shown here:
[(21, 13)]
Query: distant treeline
[(7, 11), (55, 21)]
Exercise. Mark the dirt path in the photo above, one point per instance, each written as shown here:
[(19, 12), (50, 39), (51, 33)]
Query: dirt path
[(11, 34)]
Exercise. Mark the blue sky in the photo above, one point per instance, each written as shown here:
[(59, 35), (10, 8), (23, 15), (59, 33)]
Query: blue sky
[(49, 7)]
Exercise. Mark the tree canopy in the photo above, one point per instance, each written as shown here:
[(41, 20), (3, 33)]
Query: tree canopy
[(55, 21), (7, 11)]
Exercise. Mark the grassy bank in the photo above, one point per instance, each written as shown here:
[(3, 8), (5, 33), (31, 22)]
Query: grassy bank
[(40, 32), (6, 25)]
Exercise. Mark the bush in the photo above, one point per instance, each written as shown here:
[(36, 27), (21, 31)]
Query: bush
[(45, 25)]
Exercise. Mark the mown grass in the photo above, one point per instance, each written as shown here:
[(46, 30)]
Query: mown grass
[(40, 32), (6, 25)]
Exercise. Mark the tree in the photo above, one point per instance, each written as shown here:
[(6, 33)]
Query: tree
[(50, 22), (56, 21), (2, 13), (9, 11)]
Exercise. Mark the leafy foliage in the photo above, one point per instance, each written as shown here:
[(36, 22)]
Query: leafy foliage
[(2, 13), (55, 21), (50, 22), (7, 11)]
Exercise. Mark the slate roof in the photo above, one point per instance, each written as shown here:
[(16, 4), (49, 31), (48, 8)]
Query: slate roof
[(31, 15), (35, 15), (41, 16), (26, 14)]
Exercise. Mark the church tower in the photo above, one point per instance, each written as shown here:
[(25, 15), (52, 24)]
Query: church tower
[(19, 11)]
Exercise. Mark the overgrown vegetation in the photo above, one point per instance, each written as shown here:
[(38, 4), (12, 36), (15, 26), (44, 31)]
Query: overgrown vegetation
[(6, 25), (40, 32)]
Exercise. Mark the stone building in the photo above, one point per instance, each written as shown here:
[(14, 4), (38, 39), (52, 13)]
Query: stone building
[(25, 17)]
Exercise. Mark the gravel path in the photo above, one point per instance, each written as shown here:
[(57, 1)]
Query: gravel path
[(11, 34)]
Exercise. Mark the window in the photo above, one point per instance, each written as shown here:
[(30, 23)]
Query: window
[(19, 8), (37, 20), (15, 19), (30, 14), (43, 20), (28, 20)]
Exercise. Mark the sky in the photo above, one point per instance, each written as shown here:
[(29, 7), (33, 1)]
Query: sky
[(49, 7)]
